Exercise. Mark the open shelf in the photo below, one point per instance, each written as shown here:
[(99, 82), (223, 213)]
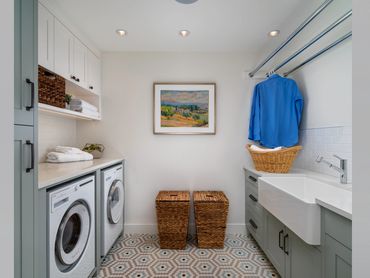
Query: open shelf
[(65, 112)]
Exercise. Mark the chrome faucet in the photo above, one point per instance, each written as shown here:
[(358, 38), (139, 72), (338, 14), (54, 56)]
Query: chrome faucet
[(342, 169)]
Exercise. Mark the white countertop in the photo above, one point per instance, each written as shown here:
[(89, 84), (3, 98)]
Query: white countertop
[(340, 199), (53, 173)]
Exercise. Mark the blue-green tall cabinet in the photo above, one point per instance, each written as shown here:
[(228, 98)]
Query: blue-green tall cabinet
[(25, 135)]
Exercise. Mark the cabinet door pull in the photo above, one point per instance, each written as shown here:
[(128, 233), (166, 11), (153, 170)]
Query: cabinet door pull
[(254, 199), (78, 79), (252, 178), (28, 81), (91, 87), (28, 169), (280, 245), (286, 237), (254, 225), (73, 77)]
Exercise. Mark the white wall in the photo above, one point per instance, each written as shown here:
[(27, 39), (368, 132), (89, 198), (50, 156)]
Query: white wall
[(157, 162), (6, 138), (326, 84), (326, 128), (55, 131)]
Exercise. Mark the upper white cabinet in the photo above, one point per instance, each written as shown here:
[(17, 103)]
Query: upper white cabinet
[(63, 51), (93, 72), (45, 38), (79, 62)]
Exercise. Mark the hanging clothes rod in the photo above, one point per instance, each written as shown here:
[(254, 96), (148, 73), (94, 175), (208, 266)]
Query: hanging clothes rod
[(292, 36), (330, 46), (315, 39)]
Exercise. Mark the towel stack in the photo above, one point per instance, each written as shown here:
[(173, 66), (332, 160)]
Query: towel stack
[(265, 150), (67, 154), (82, 106)]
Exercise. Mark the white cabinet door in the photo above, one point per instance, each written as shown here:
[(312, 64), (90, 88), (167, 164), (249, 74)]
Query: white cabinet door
[(63, 51), (45, 38), (93, 72), (79, 62)]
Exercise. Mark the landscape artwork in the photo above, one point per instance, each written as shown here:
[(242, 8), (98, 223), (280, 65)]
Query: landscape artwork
[(184, 109)]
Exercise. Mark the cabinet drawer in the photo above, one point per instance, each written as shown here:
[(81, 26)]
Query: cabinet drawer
[(252, 189), (252, 178), (338, 227), (252, 201), (255, 210), (255, 227)]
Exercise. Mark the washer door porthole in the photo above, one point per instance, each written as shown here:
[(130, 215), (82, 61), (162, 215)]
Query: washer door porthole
[(73, 234), (115, 202)]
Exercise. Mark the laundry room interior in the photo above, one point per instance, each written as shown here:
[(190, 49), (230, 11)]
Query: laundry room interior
[(182, 138)]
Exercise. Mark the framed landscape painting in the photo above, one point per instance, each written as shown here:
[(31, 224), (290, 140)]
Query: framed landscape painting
[(184, 108)]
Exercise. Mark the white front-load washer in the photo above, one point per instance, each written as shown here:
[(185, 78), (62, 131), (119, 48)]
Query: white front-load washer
[(71, 236), (112, 206)]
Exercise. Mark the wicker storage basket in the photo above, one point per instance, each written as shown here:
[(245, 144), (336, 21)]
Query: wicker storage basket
[(173, 218), (51, 88), (276, 161), (211, 209)]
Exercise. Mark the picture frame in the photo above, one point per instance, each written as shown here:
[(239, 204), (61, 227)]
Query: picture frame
[(184, 108)]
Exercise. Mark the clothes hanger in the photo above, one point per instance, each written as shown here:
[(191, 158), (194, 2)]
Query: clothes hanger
[(271, 72)]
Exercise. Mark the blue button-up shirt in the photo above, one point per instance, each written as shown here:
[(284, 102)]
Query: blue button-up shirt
[(276, 112)]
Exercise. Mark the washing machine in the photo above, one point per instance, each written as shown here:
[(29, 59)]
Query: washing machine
[(71, 235), (113, 202)]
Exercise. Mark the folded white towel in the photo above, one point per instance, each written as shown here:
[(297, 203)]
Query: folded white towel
[(89, 112), (65, 149), (85, 111), (263, 150), (55, 157), (79, 103)]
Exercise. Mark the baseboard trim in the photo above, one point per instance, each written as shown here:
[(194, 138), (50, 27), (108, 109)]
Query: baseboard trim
[(232, 228)]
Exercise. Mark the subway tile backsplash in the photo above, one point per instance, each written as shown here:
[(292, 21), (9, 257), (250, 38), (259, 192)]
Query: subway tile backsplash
[(325, 142)]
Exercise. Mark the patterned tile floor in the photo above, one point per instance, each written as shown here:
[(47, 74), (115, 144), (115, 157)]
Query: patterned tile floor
[(139, 256)]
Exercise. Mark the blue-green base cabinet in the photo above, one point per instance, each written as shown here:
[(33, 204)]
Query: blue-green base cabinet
[(290, 255), (254, 212), (336, 244)]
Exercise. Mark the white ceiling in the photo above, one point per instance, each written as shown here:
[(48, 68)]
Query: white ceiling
[(215, 25)]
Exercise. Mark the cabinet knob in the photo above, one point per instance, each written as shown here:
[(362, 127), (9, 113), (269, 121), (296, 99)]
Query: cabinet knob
[(73, 77), (78, 79), (91, 87)]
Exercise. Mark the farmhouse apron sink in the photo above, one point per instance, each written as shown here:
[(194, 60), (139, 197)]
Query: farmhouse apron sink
[(293, 201)]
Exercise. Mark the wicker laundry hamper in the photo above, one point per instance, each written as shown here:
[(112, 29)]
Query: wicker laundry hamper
[(274, 162), (211, 209), (173, 218), (52, 89)]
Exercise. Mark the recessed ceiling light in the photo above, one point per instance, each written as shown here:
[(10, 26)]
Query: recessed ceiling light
[(186, 1), (274, 33), (184, 33), (121, 32)]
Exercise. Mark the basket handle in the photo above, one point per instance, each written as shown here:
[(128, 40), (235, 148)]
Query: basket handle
[(174, 195)]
